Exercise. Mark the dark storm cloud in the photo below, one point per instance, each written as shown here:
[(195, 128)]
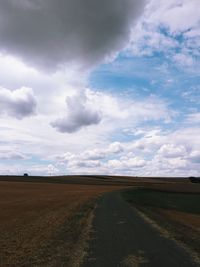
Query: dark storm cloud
[(48, 33), (79, 114), (19, 103)]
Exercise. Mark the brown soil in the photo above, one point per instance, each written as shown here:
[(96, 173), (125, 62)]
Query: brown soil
[(41, 223)]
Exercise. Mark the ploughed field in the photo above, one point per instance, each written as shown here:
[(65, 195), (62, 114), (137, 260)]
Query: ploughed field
[(45, 224)]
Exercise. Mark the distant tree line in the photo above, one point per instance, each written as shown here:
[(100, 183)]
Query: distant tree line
[(194, 179)]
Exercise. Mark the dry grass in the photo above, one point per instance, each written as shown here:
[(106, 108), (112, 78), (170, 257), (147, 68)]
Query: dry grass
[(185, 237), (173, 209), (187, 219), (136, 260), (183, 227), (181, 187), (42, 224)]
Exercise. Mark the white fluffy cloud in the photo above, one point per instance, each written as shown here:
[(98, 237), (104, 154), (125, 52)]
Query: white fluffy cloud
[(178, 16), (48, 33), (172, 151), (160, 29), (156, 157), (19, 103), (90, 108), (126, 164), (92, 154), (80, 113)]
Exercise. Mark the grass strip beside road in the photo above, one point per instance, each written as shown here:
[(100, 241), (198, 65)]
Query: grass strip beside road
[(186, 202), (178, 213)]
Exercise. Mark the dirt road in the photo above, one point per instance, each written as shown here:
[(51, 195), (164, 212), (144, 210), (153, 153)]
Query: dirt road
[(121, 238)]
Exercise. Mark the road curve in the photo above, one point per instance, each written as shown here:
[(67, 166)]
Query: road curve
[(121, 238)]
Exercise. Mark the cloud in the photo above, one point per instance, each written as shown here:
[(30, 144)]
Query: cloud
[(172, 28), (111, 159), (164, 153), (172, 151), (125, 109), (115, 148), (170, 165), (19, 103), (92, 154), (184, 59), (126, 163), (90, 107), (95, 154), (48, 33), (52, 170), (193, 118), (180, 15), (80, 113), (195, 156), (12, 155), (84, 164)]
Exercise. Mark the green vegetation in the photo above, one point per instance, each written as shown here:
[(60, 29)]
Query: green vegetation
[(162, 208), (185, 202)]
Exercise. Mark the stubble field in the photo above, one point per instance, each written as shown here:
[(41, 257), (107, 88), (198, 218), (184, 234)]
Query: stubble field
[(45, 224)]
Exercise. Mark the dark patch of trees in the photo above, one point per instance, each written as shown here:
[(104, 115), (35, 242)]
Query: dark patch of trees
[(194, 179)]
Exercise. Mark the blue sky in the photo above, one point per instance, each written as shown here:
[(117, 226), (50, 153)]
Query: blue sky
[(90, 99), (140, 77)]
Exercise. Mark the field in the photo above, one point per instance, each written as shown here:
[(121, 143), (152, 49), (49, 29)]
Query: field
[(175, 211), (46, 221), (45, 224)]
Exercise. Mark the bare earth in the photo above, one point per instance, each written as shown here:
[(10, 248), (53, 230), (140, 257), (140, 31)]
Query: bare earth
[(37, 218)]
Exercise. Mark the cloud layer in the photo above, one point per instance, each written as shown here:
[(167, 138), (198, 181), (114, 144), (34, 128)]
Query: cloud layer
[(49, 33), (161, 153), (138, 114)]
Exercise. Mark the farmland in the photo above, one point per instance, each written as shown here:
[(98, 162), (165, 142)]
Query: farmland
[(45, 224), (46, 221), (176, 209)]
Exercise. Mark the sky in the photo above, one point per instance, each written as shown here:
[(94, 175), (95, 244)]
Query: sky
[(100, 87)]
